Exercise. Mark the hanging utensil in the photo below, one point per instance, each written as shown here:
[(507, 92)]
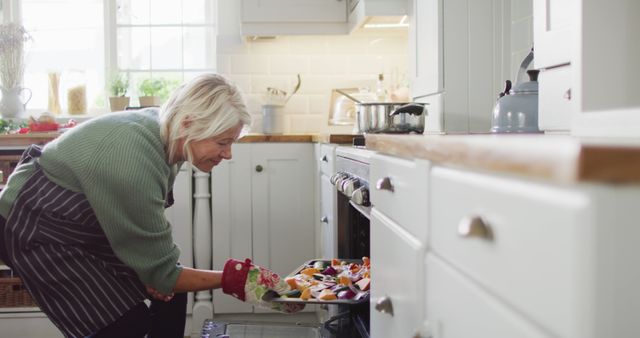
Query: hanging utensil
[(295, 90)]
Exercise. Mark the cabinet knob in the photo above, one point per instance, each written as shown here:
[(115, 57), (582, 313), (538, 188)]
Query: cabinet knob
[(324, 219), (259, 168), (567, 94), (324, 158), (474, 226), (384, 184), (384, 306)]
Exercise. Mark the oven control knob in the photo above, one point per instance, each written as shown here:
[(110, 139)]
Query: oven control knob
[(350, 186), (335, 176), (344, 185), (341, 181), (360, 196)]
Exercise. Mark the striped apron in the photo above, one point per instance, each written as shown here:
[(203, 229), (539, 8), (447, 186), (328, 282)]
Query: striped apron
[(55, 243)]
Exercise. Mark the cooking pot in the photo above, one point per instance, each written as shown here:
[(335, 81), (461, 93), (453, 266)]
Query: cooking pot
[(388, 117)]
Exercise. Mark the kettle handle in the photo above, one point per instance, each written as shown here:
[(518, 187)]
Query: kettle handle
[(522, 71), (410, 108)]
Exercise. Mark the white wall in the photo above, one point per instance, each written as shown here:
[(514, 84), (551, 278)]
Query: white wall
[(324, 62)]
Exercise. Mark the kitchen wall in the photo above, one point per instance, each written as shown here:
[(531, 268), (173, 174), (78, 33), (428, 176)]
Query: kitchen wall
[(323, 62), (521, 31)]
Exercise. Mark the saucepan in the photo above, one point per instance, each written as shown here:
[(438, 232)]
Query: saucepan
[(388, 117)]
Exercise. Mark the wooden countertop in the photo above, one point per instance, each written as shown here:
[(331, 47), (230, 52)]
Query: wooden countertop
[(315, 138), (21, 140), (558, 158)]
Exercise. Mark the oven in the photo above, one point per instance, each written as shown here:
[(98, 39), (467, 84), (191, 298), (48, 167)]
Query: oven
[(351, 181)]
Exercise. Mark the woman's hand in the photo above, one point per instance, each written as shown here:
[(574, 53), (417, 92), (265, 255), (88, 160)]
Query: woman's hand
[(157, 295)]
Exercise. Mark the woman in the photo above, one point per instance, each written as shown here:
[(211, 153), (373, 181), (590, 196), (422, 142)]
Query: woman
[(82, 220)]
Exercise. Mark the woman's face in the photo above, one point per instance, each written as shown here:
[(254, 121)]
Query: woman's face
[(210, 152)]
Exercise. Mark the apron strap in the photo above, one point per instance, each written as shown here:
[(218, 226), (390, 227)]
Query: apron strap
[(32, 152)]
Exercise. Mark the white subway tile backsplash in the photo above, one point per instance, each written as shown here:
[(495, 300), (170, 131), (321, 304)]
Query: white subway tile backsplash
[(327, 64), (249, 64), (306, 124), (324, 63), (289, 64)]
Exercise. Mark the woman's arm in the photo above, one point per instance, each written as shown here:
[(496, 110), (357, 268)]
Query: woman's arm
[(196, 280)]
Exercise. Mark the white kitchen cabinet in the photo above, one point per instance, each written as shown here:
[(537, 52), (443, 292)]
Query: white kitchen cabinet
[(294, 17), (553, 21), (458, 308), (328, 234), (398, 189), (458, 61), (397, 287), (425, 47), (554, 44), (541, 255), (374, 12), (262, 208)]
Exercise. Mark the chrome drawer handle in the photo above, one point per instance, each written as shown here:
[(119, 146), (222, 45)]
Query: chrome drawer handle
[(474, 226), (384, 184), (324, 219), (384, 305)]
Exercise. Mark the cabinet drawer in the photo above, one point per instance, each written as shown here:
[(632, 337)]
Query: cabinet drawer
[(554, 104), (397, 278), (538, 235), (404, 199), (327, 159), (457, 308)]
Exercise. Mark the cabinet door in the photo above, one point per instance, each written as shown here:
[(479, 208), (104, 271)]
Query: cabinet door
[(457, 308), (282, 198), (397, 282), (231, 219), (523, 241), (179, 215), (552, 24), (294, 11), (328, 231), (425, 47)]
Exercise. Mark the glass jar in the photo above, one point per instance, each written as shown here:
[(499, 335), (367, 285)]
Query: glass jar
[(76, 92)]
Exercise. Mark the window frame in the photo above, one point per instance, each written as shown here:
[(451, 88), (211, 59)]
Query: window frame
[(11, 11)]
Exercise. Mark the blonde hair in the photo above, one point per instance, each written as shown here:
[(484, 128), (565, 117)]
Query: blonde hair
[(209, 104)]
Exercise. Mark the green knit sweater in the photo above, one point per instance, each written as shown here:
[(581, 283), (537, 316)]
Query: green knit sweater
[(119, 162)]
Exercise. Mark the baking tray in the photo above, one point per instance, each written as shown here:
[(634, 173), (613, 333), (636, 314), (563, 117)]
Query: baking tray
[(278, 299)]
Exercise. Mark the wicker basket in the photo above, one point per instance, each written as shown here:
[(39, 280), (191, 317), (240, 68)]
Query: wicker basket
[(14, 294)]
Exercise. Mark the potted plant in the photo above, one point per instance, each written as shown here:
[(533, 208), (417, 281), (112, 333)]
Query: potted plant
[(150, 90), (119, 87)]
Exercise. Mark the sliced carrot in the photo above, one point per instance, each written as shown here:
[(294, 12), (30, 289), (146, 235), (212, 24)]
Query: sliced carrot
[(306, 294)]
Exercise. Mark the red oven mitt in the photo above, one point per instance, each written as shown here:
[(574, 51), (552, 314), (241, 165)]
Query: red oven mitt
[(249, 283)]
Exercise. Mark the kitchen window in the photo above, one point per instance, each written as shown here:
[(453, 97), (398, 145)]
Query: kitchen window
[(87, 42)]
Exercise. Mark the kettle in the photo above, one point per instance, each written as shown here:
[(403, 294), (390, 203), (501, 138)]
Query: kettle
[(516, 110)]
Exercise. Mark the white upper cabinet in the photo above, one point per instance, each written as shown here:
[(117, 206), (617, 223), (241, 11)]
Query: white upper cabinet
[(375, 12), (425, 47), (552, 26), (294, 17)]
